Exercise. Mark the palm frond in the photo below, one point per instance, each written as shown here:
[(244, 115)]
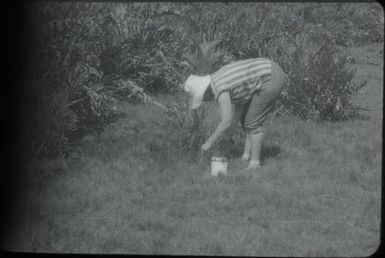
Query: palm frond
[(205, 55)]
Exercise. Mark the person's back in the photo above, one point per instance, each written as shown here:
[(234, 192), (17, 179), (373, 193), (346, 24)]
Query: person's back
[(248, 71)]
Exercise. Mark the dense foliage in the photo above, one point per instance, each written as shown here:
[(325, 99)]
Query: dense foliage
[(85, 57)]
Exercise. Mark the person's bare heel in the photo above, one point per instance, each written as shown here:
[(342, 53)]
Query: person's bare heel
[(254, 164), (245, 157), (252, 168)]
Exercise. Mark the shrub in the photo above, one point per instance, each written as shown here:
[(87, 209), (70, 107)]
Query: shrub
[(187, 132), (349, 24), (320, 85), (69, 93), (63, 63), (144, 49)]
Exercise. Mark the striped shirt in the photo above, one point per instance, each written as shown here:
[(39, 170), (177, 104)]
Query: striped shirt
[(248, 71)]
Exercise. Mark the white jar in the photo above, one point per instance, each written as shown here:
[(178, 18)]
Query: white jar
[(219, 165)]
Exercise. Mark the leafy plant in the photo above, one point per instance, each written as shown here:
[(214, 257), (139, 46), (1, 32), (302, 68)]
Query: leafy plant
[(204, 58), (320, 86), (188, 130)]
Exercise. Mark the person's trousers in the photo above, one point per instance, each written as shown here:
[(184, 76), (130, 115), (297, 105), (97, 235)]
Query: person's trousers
[(262, 102)]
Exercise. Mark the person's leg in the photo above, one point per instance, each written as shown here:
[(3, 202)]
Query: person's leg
[(256, 146), (261, 105), (247, 149)]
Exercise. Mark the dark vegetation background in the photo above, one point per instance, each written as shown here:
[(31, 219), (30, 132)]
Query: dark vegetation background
[(80, 70), (83, 58)]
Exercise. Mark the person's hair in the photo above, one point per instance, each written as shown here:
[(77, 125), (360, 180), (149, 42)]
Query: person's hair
[(209, 94)]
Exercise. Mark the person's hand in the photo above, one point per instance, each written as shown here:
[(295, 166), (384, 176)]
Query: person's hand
[(206, 146)]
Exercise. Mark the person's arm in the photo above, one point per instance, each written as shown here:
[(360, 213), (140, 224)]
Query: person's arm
[(229, 117)]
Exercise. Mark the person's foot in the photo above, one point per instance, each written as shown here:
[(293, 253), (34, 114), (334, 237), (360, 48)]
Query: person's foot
[(245, 157), (254, 164), (253, 167)]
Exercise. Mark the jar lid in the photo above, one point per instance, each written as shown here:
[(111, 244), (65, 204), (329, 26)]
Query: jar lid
[(222, 159)]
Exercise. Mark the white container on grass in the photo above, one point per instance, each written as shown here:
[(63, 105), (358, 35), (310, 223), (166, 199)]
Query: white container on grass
[(219, 165)]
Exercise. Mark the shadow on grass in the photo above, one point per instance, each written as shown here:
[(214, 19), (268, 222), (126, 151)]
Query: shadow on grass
[(362, 117), (235, 152), (269, 152)]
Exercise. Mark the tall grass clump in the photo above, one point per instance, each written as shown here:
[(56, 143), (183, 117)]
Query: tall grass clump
[(188, 130)]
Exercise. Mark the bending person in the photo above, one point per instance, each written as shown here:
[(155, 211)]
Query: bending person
[(246, 91)]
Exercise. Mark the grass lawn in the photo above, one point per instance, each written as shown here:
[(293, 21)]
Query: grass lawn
[(318, 193)]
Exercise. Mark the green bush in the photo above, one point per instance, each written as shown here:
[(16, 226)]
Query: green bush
[(63, 64), (142, 52), (320, 86), (349, 24)]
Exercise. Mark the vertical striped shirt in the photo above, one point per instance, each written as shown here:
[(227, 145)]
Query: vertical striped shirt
[(248, 71)]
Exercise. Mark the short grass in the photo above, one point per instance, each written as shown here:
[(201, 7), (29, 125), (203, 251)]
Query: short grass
[(128, 191)]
